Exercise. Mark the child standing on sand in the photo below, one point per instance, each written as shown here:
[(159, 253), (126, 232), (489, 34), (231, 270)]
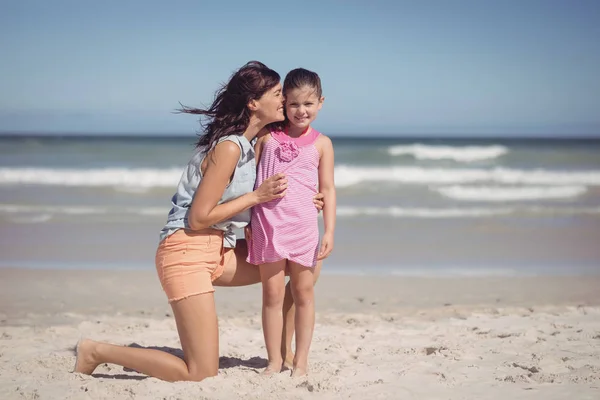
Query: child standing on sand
[(285, 232)]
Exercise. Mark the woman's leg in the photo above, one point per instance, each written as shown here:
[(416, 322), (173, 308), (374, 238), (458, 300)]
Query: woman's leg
[(273, 280), (238, 271), (289, 315), (302, 280), (196, 320)]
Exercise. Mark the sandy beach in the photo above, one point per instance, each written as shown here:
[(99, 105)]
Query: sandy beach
[(375, 337)]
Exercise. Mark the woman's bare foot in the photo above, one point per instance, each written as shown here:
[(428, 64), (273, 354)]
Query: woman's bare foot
[(272, 368), (288, 359), (84, 357)]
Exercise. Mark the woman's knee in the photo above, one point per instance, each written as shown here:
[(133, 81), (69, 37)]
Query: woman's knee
[(197, 374)]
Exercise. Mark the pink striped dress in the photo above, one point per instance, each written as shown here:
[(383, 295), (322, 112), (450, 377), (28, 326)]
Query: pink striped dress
[(287, 228)]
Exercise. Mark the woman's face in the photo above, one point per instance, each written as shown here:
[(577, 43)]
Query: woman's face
[(270, 105)]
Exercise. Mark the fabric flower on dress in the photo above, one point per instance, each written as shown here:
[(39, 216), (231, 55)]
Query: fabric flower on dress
[(288, 151)]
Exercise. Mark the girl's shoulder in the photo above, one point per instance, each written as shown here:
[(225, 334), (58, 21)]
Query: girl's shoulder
[(323, 140), (264, 138), (324, 145)]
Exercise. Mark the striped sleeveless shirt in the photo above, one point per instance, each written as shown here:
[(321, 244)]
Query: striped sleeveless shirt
[(287, 228)]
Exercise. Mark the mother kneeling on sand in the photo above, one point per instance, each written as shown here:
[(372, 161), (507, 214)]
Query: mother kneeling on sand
[(198, 247)]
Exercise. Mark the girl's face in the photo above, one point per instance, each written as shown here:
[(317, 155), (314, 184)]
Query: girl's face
[(302, 106), (270, 106)]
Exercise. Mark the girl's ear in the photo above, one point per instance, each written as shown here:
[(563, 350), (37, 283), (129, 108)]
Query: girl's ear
[(321, 100)]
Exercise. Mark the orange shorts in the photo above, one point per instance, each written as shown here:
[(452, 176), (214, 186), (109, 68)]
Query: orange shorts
[(188, 262)]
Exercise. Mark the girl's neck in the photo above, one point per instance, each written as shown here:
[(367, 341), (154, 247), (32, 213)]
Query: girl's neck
[(296, 132)]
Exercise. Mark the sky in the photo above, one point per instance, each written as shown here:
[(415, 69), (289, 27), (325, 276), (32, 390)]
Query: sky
[(397, 68)]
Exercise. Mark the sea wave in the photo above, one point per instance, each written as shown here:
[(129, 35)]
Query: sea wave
[(346, 175), (80, 210), (118, 177), (406, 212), (501, 194), (135, 179), (456, 153), (43, 213)]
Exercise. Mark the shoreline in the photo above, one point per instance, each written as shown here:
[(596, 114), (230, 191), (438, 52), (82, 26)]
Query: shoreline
[(55, 295)]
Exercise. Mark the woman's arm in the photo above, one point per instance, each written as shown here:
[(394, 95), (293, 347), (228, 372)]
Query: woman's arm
[(221, 165), (327, 187)]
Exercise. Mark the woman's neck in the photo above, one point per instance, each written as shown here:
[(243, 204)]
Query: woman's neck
[(254, 126), (296, 132)]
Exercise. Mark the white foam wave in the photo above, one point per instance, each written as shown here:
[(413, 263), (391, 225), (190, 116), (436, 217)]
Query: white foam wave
[(400, 212), (119, 177), (42, 213), (71, 210), (498, 194), (347, 176), (136, 180), (471, 212), (31, 219), (79, 210), (456, 153)]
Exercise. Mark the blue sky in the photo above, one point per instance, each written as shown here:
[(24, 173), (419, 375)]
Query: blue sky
[(451, 67)]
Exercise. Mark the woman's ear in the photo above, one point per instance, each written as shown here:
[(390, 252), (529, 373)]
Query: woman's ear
[(252, 105)]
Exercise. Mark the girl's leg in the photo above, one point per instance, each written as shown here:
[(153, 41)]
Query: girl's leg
[(273, 280), (196, 320), (238, 272), (302, 280), (289, 315)]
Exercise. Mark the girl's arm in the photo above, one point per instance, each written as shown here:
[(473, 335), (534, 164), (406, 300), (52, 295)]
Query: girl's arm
[(220, 167), (327, 187)]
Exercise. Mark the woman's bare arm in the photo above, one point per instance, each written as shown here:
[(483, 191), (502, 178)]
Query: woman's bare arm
[(221, 164)]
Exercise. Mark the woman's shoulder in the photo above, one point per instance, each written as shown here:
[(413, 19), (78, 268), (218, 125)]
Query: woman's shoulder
[(240, 141), (228, 147), (233, 138)]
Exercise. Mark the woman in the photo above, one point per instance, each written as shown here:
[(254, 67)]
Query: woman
[(198, 248)]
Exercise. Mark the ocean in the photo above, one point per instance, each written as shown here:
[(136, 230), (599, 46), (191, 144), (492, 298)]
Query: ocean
[(410, 206)]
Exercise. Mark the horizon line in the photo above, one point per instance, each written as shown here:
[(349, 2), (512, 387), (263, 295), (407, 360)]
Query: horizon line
[(420, 136)]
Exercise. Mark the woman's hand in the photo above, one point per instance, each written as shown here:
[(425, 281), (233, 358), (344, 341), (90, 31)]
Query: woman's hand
[(272, 188), (326, 246), (318, 200), (248, 235)]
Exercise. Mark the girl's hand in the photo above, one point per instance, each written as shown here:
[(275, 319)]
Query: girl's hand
[(326, 246), (272, 188), (318, 200)]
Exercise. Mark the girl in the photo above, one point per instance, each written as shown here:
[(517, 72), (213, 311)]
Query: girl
[(198, 248), (284, 231)]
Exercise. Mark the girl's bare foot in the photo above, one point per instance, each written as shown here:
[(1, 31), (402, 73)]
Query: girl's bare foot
[(299, 372), (84, 357)]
